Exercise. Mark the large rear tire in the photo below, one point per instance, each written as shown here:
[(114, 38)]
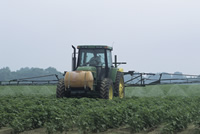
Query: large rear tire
[(106, 89), (119, 85), (60, 91)]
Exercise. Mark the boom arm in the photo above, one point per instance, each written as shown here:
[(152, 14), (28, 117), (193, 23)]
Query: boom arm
[(142, 79)]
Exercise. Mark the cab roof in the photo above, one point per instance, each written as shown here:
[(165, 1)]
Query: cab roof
[(95, 47)]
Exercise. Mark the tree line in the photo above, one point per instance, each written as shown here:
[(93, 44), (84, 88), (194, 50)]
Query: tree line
[(6, 74)]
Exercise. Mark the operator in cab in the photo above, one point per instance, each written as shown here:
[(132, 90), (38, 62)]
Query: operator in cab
[(95, 61)]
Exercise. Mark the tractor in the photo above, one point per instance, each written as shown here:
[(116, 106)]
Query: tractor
[(93, 74)]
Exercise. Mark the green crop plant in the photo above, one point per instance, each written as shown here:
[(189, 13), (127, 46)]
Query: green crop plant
[(25, 112), (95, 115)]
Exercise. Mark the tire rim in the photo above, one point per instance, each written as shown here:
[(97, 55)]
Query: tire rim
[(110, 92), (121, 88)]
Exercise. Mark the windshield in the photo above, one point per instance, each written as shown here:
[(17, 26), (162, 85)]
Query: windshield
[(91, 57)]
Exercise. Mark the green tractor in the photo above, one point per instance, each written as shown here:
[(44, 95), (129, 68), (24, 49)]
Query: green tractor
[(94, 74)]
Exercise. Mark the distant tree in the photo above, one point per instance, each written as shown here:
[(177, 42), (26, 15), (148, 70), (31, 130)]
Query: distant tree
[(178, 75), (166, 75), (6, 74), (51, 70)]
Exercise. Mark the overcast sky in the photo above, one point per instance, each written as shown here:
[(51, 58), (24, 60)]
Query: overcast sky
[(150, 35)]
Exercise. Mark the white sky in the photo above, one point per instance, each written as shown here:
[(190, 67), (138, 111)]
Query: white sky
[(150, 35)]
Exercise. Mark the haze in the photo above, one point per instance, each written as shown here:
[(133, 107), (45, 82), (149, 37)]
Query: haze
[(150, 35)]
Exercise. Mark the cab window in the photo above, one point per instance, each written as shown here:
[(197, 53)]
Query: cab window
[(109, 55), (91, 57)]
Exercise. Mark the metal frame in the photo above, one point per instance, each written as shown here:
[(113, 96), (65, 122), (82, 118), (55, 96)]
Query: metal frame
[(135, 79), (143, 79), (32, 81)]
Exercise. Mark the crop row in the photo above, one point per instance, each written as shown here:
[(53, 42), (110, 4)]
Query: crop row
[(94, 115)]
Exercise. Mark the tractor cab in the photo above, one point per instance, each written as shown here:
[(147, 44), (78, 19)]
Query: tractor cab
[(94, 57), (90, 55), (97, 59)]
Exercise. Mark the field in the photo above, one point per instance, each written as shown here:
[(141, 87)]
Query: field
[(153, 109)]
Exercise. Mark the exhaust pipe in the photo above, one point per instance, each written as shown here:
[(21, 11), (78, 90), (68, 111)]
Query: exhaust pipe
[(74, 59)]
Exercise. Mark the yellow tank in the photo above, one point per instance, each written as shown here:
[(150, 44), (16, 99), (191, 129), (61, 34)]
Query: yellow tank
[(79, 79)]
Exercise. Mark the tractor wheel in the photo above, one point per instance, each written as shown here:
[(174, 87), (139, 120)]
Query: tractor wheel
[(119, 85), (60, 91), (106, 89)]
